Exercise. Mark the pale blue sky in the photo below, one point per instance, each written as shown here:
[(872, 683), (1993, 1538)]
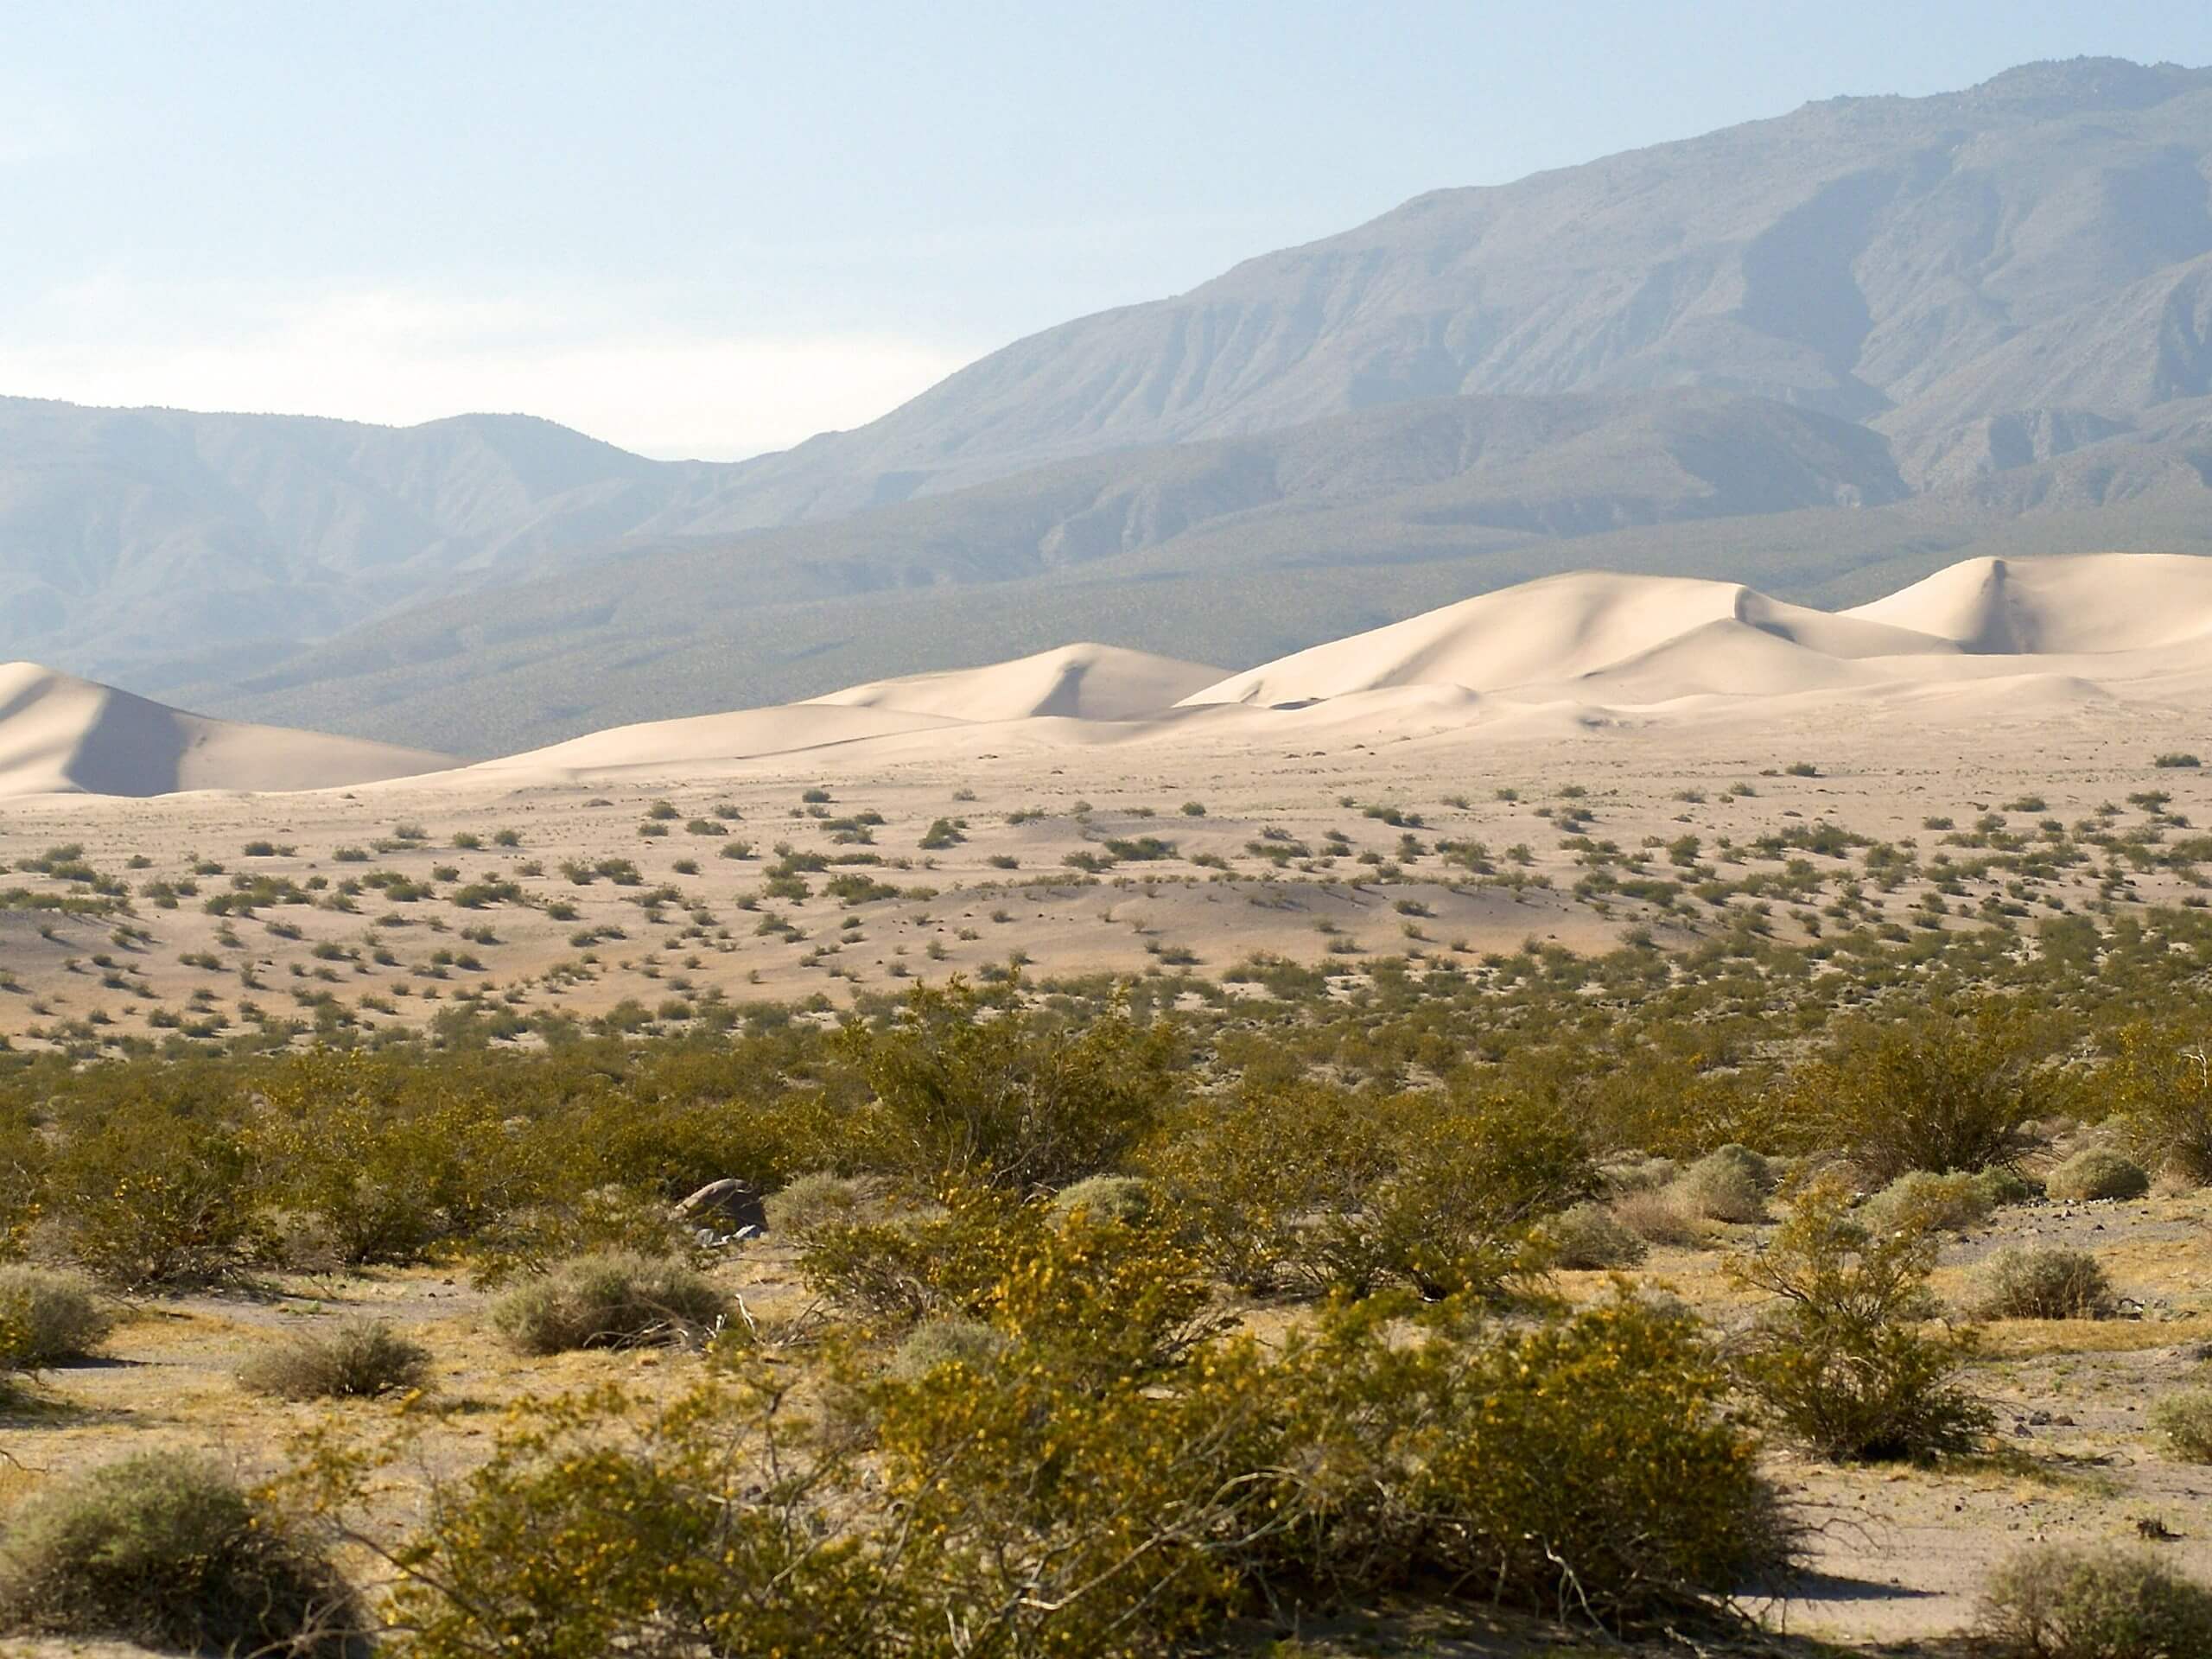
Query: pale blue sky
[(712, 229)]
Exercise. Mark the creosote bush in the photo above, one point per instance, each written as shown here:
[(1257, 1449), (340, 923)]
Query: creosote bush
[(613, 1298), (1938, 1091), (1843, 1361), (48, 1319), (1312, 1188), (2044, 1282), (2184, 1422), (167, 1549), (359, 1358), (1586, 1466), (2054, 1601), (2097, 1173)]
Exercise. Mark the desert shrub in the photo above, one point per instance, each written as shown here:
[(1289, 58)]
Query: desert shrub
[(1586, 1466), (1929, 1203), (164, 1548), (2161, 1082), (810, 1202), (1842, 1362), (1589, 1236), (1728, 1185), (613, 1298), (2097, 1173), (1641, 1173), (1656, 1218), (1126, 1298), (1939, 1092), (1111, 1197), (1315, 1188), (1999, 1186), (946, 1341), (48, 1318), (990, 1092), (360, 1358), (537, 1238), (144, 1200), (2053, 1601), (2044, 1282), (2184, 1421)]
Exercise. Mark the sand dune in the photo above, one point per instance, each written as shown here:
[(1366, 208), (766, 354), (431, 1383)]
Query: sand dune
[(62, 735), (1552, 631), (1083, 681), (2081, 602), (1568, 653)]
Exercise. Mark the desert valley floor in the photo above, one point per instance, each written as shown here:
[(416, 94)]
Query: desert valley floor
[(1576, 765)]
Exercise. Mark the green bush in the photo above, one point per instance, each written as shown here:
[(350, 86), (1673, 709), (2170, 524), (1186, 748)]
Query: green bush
[(2097, 1173), (2053, 1601), (2184, 1422), (1929, 1203), (1842, 1361), (2044, 1282), (1314, 1188), (165, 1548), (145, 1200), (46, 1318), (972, 1091), (2161, 1084), (613, 1298), (1939, 1092), (1586, 1467), (1588, 1236), (358, 1359)]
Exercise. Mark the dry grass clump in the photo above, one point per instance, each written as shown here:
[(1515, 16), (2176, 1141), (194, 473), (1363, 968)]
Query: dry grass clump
[(611, 1299), (2098, 1173), (812, 1201), (169, 1550), (1949, 1202), (948, 1341), (2184, 1421), (1728, 1185), (2054, 1601), (1657, 1219), (1590, 1236), (48, 1318), (359, 1359), (2045, 1283), (1107, 1197)]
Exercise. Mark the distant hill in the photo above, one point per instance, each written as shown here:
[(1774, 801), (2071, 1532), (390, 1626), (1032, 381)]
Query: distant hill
[(1823, 352)]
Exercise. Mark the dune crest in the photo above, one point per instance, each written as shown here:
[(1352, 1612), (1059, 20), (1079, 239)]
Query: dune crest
[(1079, 682), (2073, 603), (60, 734)]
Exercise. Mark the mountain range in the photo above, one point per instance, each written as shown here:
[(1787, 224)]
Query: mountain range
[(1827, 353)]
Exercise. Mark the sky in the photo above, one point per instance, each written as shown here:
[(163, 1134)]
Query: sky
[(711, 230)]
